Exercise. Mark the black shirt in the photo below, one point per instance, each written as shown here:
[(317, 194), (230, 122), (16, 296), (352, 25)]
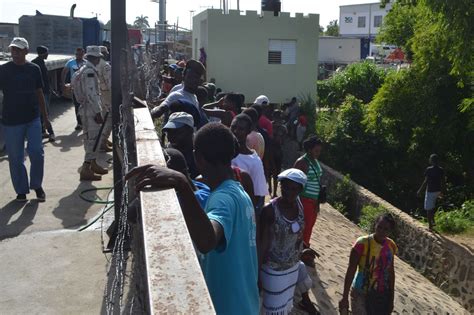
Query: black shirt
[(19, 85), (44, 73), (434, 175)]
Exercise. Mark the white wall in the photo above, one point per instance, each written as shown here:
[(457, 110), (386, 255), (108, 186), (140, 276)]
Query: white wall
[(349, 16), (339, 50)]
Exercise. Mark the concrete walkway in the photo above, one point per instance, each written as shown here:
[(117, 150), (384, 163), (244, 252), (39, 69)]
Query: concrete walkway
[(332, 238), (47, 267)]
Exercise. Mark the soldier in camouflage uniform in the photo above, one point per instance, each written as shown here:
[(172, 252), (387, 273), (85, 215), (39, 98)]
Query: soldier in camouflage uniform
[(105, 80), (91, 114)]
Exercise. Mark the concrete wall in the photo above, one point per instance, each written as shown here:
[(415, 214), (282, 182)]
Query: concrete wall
[(339, 50), (447, 264), (349, 15), (237, 52)]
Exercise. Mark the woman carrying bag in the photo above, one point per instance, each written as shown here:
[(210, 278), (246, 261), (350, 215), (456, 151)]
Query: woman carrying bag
[(372, 262), (310, 197)]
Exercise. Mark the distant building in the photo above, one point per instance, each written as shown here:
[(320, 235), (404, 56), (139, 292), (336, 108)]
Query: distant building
[(339, 50), (258, 54), (362, 20), (7, 32)]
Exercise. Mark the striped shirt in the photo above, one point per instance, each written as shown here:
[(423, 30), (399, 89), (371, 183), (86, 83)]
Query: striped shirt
[(311, 190)]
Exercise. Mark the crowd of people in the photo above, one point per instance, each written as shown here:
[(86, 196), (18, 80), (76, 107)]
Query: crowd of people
[(224, 159)]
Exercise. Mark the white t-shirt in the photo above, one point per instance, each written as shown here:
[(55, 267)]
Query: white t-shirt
[(177, 87), (253, 165), (181, 95)]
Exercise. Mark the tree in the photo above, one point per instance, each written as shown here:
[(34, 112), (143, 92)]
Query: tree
[(321, 30), (398, 27), (332, 29), (141, 22)]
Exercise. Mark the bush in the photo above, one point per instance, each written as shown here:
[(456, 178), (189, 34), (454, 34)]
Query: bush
[(340, 195), (458, 220), (359, 79), (368, 215)]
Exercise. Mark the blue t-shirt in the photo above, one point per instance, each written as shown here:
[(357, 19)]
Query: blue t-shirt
[(202, 193), (73, 66), (231, 270), (19, 84)]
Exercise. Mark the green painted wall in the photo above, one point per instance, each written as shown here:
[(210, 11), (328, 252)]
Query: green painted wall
[(237, 52)]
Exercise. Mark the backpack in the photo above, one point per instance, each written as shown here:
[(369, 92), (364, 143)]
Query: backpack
[(76, 84)]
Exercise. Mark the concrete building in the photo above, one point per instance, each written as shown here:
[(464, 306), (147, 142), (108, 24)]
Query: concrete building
[(362, 20), (7, 32), (339, 50), (259, 54)]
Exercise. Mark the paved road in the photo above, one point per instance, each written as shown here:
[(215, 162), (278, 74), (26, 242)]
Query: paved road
[(47, 267)]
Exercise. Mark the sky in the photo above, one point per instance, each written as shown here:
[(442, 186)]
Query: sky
[(178, 11)]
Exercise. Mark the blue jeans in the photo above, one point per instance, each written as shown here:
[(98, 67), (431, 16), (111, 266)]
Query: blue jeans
[(15, 142)]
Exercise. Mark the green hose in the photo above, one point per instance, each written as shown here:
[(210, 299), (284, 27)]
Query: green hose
[(97, 201)]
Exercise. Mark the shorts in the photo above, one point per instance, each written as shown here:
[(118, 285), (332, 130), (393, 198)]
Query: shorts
[(430, 200)]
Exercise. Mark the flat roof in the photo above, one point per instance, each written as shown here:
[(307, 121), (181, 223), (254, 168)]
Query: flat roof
[(354, 5)]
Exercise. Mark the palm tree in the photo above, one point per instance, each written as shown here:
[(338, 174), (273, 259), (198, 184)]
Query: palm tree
[(141, 22)]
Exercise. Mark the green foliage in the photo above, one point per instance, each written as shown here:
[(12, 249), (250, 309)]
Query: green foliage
[(398, 27), (368, 215), (359, 79), (308, 108), (340, 195), (456, 221), (332, 29)]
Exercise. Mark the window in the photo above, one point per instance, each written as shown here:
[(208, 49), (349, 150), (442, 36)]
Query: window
[(361, 22), (282, 52), (377, 21)]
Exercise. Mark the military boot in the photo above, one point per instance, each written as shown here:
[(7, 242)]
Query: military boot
[(87, 173), (96, 168)]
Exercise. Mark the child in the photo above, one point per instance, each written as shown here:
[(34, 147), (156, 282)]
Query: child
[(434, 181)]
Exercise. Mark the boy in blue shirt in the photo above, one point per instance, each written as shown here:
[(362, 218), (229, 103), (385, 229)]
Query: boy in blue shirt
[(225, 231)]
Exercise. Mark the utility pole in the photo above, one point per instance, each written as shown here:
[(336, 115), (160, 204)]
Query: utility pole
[(191, 14)]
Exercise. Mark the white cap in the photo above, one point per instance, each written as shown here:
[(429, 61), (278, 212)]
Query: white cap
[(293, 174), (93, 51), (178, 120), (261, 99), (19, 42)]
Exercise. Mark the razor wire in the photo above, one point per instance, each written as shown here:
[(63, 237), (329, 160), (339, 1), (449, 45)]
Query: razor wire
[(128, 244)]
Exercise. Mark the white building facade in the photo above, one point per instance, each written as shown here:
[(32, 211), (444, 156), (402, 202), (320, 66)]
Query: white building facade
[(362, 20)]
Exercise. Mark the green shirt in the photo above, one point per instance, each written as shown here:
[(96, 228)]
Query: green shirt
[(312, 187)]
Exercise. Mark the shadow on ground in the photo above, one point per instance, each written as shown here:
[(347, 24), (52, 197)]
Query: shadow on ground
[(72, 209), (11, 229)]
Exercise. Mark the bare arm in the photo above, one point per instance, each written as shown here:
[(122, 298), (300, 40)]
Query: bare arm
[(421, 187), (158, 111), (63, 77), (205, 233), (42, 106), (302, 165), (248, 186), (267, 219), (351, 270)]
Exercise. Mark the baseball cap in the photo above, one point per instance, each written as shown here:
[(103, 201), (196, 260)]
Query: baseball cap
[(178, 120), (93, 51), (293, 174), (103, 49), (19, 42), (261, 100)]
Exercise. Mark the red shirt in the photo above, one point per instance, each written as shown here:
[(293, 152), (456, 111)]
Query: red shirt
[(266, 124)]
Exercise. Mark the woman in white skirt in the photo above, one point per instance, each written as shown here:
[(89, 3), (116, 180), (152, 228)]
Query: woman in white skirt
[(280, 248)]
